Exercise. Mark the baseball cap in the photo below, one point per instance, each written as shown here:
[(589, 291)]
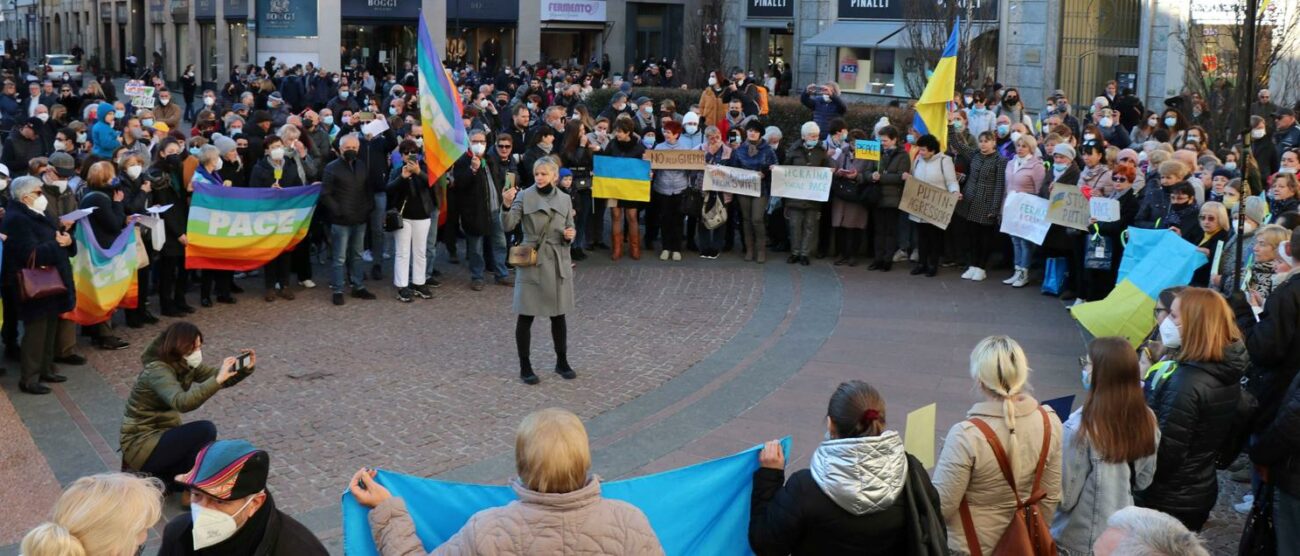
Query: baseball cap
[(63, 164), (1284, 112)]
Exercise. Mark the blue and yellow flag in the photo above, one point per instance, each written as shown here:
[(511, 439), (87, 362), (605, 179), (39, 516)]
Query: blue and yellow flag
[(1153, 260), (932, 110), (626, 179)]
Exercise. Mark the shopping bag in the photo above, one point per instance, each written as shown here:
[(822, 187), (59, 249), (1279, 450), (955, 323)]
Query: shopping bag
[(1054, 275), (1099, 254)]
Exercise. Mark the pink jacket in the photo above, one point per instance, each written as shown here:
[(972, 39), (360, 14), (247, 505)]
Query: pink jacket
[(1027, 178), (578, 522)]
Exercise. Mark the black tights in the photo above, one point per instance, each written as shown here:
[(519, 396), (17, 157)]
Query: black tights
[(176, 450), (848, 242), (524, 339)]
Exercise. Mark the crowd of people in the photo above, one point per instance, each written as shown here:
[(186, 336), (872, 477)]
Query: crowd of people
[(1216, 379)]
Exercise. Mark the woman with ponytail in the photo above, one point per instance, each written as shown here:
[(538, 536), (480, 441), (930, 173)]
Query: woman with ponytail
[(99, 515), (863, 494), (1109, 447), (970, 481)]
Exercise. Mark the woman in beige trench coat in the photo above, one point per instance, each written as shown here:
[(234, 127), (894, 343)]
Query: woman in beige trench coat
[(545, 215)]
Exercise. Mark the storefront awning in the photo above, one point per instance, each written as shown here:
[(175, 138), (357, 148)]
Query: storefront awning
[(861, 34), (572, 26)]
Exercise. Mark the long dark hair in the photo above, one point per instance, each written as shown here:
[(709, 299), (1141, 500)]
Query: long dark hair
[(573, 132), (178, 340), (1116, 419), (857, 409)]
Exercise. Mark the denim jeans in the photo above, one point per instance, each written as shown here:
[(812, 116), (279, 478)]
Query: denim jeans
[(582, 206), (379, 239), (347, 242), (497, 250), (1286, 522), (431, 248), (1024, 251)]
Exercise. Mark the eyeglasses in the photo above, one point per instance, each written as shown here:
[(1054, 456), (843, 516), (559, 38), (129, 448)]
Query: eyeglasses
[(1159, 310)]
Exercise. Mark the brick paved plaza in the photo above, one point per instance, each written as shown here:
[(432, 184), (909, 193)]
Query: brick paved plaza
[(679, 363)]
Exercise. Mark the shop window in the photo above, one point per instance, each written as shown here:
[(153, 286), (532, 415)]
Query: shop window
[(853, 72), (238, 43)]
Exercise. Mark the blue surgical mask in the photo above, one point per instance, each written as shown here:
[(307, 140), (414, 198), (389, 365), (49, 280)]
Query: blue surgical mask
[(1004, 129), (119, 113), (343, 95), (1059, 168), (648, 142), (392, 111), (194, 151), (809, 144), (236, 131), (911, 139), (328, 120), (1170, 121), (1086, 377), (147, 122)]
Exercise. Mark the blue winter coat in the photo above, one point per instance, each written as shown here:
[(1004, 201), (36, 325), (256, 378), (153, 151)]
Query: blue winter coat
[(102, 136), (761, 161), (824, 110)]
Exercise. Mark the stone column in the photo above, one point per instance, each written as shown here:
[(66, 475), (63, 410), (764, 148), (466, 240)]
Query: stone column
[(222, 38), (528, 37), (329, 28), (435, 17)]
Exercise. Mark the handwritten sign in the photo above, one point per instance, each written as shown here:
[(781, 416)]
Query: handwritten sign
[(801, 182), (141, 95), (866, 150), (930, 203), (736, 181), (1025, 216), (1104, 209), (1068, 207), (675, 159)]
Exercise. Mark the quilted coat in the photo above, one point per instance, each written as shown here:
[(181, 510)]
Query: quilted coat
[(578, 522)]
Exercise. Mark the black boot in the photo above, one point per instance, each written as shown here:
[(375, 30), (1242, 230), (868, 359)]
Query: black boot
[(563, 369), (526, 373)]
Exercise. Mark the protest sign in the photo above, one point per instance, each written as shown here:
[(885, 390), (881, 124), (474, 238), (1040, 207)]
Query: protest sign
[(1025, 216), (930, 203), (918, 439), (736, 181), (675, 160), (1068, 207), (801, 182), (1104, 209), (866, 150), (141, 95)]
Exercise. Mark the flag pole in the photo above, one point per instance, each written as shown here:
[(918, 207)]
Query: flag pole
[(1252, 9)]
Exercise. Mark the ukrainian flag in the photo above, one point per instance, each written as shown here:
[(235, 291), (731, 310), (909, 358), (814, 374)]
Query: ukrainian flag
[(1153, 260), (625, 179), (932, 110)]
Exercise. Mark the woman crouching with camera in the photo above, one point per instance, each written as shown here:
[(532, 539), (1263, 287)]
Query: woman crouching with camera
[(174, 381), (544, 269)]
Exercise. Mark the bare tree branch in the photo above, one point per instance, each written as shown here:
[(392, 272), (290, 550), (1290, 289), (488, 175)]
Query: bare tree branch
[(928, 25)]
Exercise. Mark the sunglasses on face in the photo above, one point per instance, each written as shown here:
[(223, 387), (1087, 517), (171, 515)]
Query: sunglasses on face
[(504, 145), (1120, 180)]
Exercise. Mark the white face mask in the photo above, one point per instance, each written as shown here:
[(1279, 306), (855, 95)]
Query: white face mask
[(134, 171), (713, 82), (59, 145), (209, 101), (1257, 133), (44, 117), (477, 148), (219, 165), (213, 526), (1283, 252), (194, 359), (1015, 136), (61, 185), (691, 128), (277, 154), (1106, 122), (4, 184), (81, 138), (1169, 333), (165, 101), (40, 203)]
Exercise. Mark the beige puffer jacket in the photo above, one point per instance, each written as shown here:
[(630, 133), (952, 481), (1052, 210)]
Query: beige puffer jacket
[(968, 469), (578, 522)]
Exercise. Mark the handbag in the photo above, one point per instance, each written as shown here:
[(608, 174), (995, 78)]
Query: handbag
[(1099, 254), (393, 217), (1258, 537), (714, 215), (39, 282), (1054, 275), (526, 255), (846, 189), (1028, 533), (692, 201)]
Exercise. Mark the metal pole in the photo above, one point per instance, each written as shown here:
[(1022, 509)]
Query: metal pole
[(1248, 89)]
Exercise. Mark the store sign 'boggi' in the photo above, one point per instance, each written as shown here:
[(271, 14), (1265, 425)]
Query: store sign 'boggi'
[(573, 10)]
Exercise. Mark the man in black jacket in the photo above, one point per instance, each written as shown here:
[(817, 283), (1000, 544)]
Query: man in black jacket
[(374, 151), (24, 144), (742, 88), (348, 200), (477, 197), (228, 481)]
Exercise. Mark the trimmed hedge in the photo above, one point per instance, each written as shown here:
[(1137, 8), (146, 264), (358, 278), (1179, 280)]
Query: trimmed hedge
[(786, 113)]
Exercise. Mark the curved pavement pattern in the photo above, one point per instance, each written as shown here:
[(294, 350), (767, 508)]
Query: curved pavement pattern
[(680, 363)]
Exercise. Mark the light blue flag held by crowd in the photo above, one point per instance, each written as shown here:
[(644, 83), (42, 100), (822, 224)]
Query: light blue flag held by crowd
[(1153, 260), (700, 509)]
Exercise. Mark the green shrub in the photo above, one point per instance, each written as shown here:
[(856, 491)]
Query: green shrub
[(786, 113)]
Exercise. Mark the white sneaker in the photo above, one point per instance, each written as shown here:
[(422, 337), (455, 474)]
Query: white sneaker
[(366, 256), (1013, 277), (677, 255), (663, 255), (966, 274), (1022, 279), (900, 256), (978, 275), (307, 284), (1077, 302), (1243, 507), (916, 256)]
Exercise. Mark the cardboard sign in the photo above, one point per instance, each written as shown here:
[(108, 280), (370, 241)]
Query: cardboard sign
[(134, 88), (930, 203), (1068, 207), (1103, 209), (801, 182), (1025, 216), (918, 439), (675, 159), (866, 150), (733, 180)]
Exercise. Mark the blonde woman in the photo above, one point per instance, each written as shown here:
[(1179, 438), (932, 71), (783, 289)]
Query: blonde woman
[(970, 481), (559, 510), (101, 515)]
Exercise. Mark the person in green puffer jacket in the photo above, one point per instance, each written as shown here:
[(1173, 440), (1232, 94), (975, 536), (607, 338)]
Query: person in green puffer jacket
[(174, 381)]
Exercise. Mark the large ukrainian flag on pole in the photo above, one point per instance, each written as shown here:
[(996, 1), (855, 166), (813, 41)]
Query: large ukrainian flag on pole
[(626, 179), (932, 110)]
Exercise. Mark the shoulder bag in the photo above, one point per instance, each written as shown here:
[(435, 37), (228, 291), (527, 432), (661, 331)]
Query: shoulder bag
[(39, 282), (715, 215), (1028, 533), (393, 216), (526, 255)]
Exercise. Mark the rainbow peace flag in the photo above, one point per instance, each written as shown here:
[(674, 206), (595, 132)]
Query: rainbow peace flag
[(445, 139), (626, 179), (242, 228), (104, 278), (932, 110)]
